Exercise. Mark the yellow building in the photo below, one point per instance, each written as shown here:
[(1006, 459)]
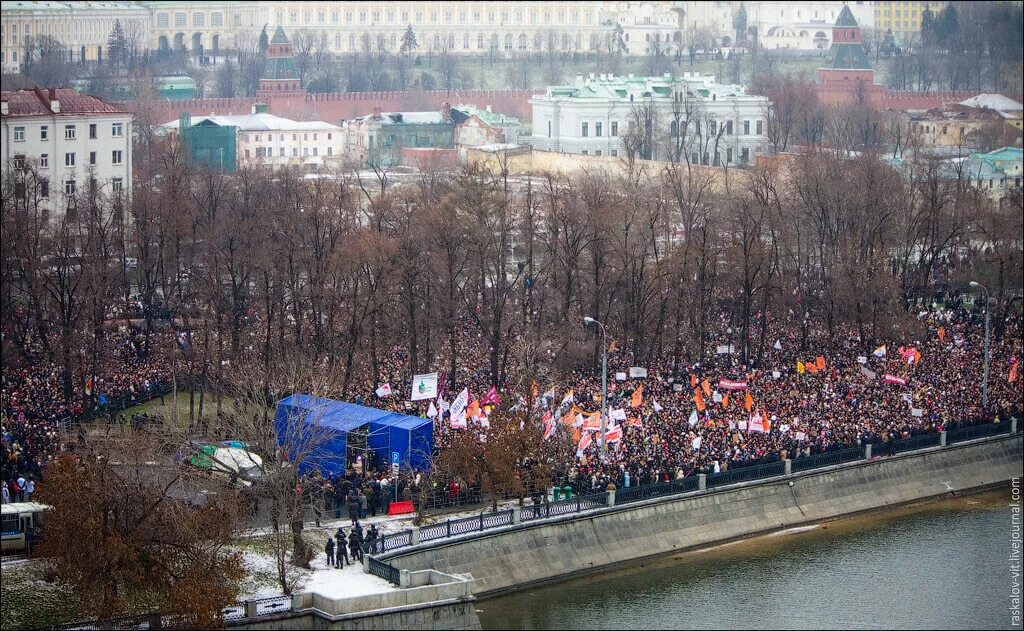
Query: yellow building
[(903, 18), (82, 27)]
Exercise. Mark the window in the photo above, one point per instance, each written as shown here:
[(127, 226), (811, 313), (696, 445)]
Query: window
[(69, 187), (586, 153), (198, 19), (117, 185), (282, 152), (584, 130), (760, 129), (179, 19), (295, 152), (598, 152), (92, 157), (549, 129), (44, 188), (744, 155), (314, 151), (330, 151), (162, 20), (92, 131), (728, 128), (615, 128), (19, 162), (44, 161), (746, 128), (305, 152), (69, 159), (117, 130), (728, 155), (116, 156), (597, 129), (217, 19), (92, 186), (44, 132), (19, 134), (615, 153)]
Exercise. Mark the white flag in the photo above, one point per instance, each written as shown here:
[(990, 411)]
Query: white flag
[(431, 411), (778, 345), (657, 408), (717, 397), (776, 374), (880, 351), (443, 405), (383, 391), (617, 415), (424, 387), (620, 376), (918, 412), (697, 442), (693, 418), (458, 409), (861, 359)]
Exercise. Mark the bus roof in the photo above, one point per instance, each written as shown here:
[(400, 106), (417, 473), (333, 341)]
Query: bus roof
[(16, 508)]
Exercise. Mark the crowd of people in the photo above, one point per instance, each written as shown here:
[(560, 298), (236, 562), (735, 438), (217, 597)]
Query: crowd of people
[(34, 407), (806, 410), (673, 422)]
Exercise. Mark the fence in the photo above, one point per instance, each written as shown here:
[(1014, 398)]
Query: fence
[(384, 570), (580, 503)]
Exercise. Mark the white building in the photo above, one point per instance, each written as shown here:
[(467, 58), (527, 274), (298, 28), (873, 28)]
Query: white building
[(77, 139), (647, 27), (801, 25), (83, 28), (688, 118), (263, 139)]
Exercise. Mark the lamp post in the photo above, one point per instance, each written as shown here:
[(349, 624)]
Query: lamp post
[(604, 382), (984, 384)]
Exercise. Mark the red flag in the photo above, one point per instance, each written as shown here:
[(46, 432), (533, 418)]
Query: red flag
[(613, 435), (693, 380), (893, 379), (749, 403), (820, 362), (491, 398), (1013, 372), (706, 385), (942, 334)]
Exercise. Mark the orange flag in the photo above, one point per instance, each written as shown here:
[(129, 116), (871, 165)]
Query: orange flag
[(767, 423), (633, 421), (693, 380), (725, 401), (820, 362), (811, 367), (1013, 372), (942, 334), (749, 403), (473, 411), (917, 356), (698, 398), (612, 347), (706, 385), (638, 397)]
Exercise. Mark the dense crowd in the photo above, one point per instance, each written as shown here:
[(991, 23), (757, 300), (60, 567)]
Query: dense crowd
[(809, 411), (806, 411), (34, 407)]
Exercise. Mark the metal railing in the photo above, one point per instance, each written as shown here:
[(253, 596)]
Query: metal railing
[(384, 570), (827, 459), (978, 431), (745, 474), (388, 542), (277, 604)]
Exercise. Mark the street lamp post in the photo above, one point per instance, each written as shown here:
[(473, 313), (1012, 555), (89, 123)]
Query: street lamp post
[(604, 382), (984, 384)]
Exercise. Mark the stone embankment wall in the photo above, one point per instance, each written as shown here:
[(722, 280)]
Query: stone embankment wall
[(582, 543)]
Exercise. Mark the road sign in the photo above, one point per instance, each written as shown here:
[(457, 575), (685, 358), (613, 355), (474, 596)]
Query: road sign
[(394, 462)]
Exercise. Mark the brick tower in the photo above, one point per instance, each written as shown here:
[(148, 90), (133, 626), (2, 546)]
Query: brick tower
[(280, 78)]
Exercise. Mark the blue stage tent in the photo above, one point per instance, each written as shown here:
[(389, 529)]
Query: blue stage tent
[(412, 437)]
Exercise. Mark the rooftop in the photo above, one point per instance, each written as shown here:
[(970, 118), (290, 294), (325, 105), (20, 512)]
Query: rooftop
[(36, 102), (846, 18), (44, 5), (257, 122), (407, 118), (491, 118), (604, 87), (996, 102), (279, 36)]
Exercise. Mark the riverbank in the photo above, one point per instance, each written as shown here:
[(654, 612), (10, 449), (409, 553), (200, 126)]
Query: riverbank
[(929, 564), (525, 556)]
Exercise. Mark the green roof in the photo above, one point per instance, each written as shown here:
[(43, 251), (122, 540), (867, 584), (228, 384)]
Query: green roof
[(849, 57), (279, 68), (279, 36), (846, 18), (1006, 154)]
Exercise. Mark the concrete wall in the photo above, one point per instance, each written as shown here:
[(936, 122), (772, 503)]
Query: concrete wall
[(460, 615), (587, 542)]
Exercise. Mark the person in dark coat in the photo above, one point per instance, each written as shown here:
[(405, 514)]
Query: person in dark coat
[(355, 546), (329, 549), (353, 506), (342, 546)]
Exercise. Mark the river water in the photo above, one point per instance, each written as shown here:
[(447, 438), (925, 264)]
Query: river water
[(938, 564)]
